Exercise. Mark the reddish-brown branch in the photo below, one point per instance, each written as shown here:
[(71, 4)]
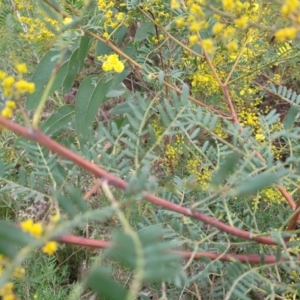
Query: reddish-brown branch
[(293, 223), (42, 139), (244, 258), (92, 190), (287, 196)]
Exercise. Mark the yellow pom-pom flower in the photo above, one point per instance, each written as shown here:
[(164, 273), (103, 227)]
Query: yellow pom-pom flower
[(22, 68), (50, 248)]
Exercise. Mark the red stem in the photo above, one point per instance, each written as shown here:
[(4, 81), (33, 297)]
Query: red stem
[(244, 258), (42, 139)]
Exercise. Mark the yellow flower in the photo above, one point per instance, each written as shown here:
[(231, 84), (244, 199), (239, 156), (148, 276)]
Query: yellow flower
[(9, 297), (105, 35), (50, 248), (19, 272), (6, 113), (228, 4), (175, 4), (108, 14), (197, 10), (232, 46), (260, 137), (67, 21), (8, 82), (55, 218), (22, 68), (229, 31), (23, 86), (34, 229), (285, 34), (2, 75), (217, 28), (193, 39), (7, 289), (120, 16), (11, 104), (208, 45), (242, 22), (119, 67), (179, 22), (112, 62)]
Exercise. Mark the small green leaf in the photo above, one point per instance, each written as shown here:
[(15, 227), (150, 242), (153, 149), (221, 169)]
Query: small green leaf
[(260, 181), (225, 169), (22, 176), (76, 198), (58, 120), (2, 168), (115, 93), (290, 117), (43, 74), (66, 204), (185, 92), (144, 31), (161, 77), (73, 69), (91, 94), (76, 62), (102, 49)]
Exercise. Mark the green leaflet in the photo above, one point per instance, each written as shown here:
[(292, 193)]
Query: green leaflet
[(43, 74), (76, 63), (260, 181), (225, 169), (144, 31), (290, 117), (91, 94), (58, 120)]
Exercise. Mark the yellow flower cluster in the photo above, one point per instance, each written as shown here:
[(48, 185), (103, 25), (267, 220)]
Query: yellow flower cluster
[(23, 5), (37, 29), (289, 7), (6, 292), (170, 152), (14, 88), (157, 127), (156, 40), (112, 17), (203, 175), (111, 63), (268, 195), (37, 230)]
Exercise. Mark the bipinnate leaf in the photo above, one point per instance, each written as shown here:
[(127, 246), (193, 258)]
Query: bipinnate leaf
[(160, 264), (71, 201), (104, 285)]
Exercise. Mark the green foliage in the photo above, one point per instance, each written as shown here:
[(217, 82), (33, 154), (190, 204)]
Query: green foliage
[(210, 126), (45, 279)]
